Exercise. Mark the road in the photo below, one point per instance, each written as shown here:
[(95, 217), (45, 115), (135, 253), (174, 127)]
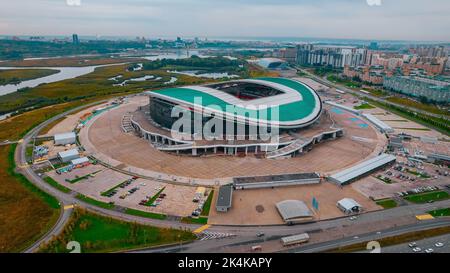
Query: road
[(7, 142), (244, 234), (422, 244), (247, 235), (372, 236), (377, 99)]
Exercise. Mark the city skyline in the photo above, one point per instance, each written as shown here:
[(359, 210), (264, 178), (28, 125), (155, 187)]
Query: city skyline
[(343, 19)]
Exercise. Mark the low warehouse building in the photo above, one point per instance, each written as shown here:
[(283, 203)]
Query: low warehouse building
[(439, 159), (224, 198), (65, 138), (69, 155), (271, 181), (383, 127), (294, 212), (351, 174), (79, 161), (349, 206)]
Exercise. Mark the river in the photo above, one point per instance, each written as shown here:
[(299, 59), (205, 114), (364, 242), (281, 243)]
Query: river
[(73, 72)]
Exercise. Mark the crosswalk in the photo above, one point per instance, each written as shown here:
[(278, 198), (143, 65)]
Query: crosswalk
[(209, 235)]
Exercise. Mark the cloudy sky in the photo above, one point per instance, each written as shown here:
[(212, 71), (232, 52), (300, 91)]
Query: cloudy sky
[(427, 20)]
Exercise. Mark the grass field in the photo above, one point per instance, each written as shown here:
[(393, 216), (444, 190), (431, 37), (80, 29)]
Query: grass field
[(386, 203), (97, 84), (78, 179), (207, 205), (145, 214), (70, 61), (418, 105), (440, 212), (16, 76), (439, 124), (364, 106), (154, 197), (105, 193), (94, 202), (200, 220), (427, 197), (101, 234), (26, 212), (56, 185)]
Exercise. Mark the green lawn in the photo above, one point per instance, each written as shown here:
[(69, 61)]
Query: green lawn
[(200, 220), (145, 214), (386, 203), (207, 205), (94, 202), (154, 197), (440, 212), (386, 180), (364, 106), (56, 185), (105, 193), (78, 179), (439, 124), (425, 197), (97, 233)]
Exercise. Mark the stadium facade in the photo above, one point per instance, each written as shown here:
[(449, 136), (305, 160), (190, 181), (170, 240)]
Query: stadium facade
[(234, 117)]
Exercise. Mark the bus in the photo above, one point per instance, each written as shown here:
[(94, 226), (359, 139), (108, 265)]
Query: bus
[(295, 239)]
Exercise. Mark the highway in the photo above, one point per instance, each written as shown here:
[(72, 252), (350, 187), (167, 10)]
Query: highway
[(422, 244), (372, 236), (244, 234)]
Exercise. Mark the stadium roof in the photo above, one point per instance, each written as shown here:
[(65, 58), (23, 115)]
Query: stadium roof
[(363, 168), (293, 209), (299, 105)]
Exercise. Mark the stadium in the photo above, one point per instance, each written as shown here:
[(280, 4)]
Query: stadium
[(260, 116)]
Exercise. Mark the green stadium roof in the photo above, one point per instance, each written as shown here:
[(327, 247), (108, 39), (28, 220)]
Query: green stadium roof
[(298, 105)]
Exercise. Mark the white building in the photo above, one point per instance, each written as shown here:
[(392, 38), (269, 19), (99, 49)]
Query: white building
[(65, 138), (69, 155), (80, 160), (349, 206), (294, 212)]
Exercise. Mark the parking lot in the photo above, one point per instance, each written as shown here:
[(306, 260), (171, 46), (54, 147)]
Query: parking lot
[(257, 206), (402, 178), (177, 200)]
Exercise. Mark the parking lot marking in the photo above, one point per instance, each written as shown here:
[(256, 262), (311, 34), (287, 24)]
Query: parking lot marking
[(202, 228)]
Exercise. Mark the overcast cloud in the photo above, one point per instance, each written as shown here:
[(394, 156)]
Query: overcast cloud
[(392, 20)]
